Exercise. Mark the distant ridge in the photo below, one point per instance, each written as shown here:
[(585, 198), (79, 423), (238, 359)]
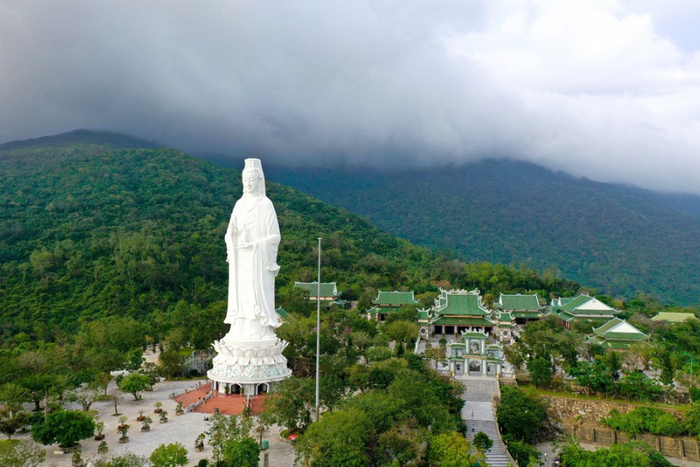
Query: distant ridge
[(90, 137), (623, 240)]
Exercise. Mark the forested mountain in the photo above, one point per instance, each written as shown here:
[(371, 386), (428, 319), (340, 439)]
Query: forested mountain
[(620, 239), (94, 225)]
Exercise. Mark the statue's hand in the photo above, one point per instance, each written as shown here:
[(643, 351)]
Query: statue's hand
[(244, 245)]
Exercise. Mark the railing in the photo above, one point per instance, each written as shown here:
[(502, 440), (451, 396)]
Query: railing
[(194, 405)]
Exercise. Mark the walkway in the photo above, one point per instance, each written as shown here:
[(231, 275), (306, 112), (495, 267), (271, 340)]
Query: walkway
[(227, 405), (478, 414)]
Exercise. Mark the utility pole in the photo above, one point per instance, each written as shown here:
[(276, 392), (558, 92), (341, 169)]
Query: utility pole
[(318, 332)]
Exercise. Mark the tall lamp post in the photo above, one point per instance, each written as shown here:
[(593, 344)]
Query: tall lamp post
[(318, 331)]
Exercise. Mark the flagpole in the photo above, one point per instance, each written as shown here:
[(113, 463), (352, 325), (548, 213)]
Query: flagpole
[(318, 330)]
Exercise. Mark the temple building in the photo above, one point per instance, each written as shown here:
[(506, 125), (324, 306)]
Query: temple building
[(583, 307), (329, 291), (470, 353), (674, 317), (456, 311), (523, 308), (387, 303), (617, 334)]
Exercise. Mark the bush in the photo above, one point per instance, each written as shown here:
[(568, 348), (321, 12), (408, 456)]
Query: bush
[(65, 427), (644, 420), (667, 425)]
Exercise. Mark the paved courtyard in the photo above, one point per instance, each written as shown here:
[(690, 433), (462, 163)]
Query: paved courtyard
[(184, 429)]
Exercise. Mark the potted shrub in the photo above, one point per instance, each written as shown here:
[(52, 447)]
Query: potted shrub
[(179, 409), (146, 424), (122, 422), (99, 427), (159, 407), (76, 459), (199, 443), (141, 416), (164, 417), (102, 448), (123, 429)]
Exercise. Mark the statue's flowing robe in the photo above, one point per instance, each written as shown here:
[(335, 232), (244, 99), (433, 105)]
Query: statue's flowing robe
[(252, 271)]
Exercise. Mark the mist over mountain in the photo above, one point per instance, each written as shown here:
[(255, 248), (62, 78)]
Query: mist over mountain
[(623, 240)]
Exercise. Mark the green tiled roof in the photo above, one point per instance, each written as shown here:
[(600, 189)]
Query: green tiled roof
[(463, 322), (564, 316), (282, 313), (462, 304), (619, 329), (395, 298), (581, 305), (526, 314), (423, 315), (328, 289), (519, 302), (674, 317)]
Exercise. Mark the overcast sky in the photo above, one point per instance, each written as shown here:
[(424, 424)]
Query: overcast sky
[(605, 89)]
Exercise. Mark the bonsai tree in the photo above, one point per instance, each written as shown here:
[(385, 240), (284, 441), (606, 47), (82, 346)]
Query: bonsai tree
[(77, 459), (135, 384), (159, 407), (141, 416), (99, 427), (179, 410), (199, 443), (65, 427), (123, 429), (122, 420), (147, 424), (164, 417), (102, 448)]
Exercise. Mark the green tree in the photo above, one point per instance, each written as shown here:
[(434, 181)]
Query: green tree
[(401, 331), (520, 415), (540, 371), (691, 420), (637, 385), (134, 384), (290, 404), (171, 363), (26, 453), (452, 449), (668, 372), (128, 459), (339, 438), (11, 421), (522, 452), (223, 428), (65, 427), (171, 455), (241, 453), (482, 441)]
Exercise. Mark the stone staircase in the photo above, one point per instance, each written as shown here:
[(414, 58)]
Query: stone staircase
[(496, 456), (478, 414)]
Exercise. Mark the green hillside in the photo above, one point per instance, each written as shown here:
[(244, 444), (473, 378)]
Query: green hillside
[(620, 239), (92, 228)]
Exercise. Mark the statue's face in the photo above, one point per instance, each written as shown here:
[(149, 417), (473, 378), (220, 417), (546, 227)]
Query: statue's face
[(251, 181)]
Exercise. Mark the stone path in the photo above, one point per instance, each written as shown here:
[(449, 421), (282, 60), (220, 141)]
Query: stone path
[(478, 415)]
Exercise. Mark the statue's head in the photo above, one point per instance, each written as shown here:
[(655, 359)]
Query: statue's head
[(253, 178)]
